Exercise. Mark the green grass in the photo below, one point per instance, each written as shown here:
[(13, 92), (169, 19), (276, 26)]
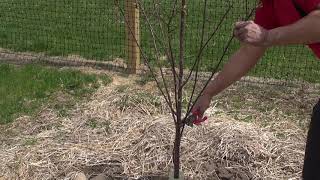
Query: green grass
[(62, 27), (24, 89), (30, 142), (95, 30)]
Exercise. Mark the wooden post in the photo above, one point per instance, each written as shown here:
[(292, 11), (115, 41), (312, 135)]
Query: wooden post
[(133, 35)]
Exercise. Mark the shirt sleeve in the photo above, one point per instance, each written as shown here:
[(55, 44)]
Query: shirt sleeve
[(309, 5), (264, 15)]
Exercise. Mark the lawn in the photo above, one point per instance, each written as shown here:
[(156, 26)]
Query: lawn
[(62, 27), (95, 30), (23, 90)]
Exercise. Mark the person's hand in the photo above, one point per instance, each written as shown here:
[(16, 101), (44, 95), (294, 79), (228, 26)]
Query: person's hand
[(251, 33), (202, 104)]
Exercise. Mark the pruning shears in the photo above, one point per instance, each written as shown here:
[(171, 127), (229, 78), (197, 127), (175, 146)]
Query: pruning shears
[(195, 118)]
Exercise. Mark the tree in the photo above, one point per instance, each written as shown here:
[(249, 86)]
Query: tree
[(166, 26)]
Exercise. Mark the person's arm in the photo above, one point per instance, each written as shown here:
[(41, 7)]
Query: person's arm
[(304, 31), (238, 65)]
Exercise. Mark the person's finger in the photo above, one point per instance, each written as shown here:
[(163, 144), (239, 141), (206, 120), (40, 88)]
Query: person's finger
[(239, 32), (237, 35), (241, 24), (242, 37), (200, 120)]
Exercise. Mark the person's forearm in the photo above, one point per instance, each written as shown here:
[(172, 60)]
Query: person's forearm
[(305, 31), (239, 65)]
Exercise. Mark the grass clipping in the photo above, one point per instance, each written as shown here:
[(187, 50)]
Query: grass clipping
[(124, 132)]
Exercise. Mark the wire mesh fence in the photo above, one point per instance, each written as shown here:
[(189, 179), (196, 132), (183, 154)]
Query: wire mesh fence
[(96, 30)]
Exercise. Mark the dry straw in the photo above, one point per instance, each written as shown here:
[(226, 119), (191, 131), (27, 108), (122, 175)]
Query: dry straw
[(124, 132)]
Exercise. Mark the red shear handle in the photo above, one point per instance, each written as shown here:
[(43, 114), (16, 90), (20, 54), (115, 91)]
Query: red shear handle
[(199, 118)]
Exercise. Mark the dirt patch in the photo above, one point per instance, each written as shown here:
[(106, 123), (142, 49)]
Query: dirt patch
[(218, 172), (21, 58), (231, 174)]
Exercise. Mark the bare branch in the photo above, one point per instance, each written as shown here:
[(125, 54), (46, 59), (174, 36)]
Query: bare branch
[(206, 44), (217, 66), (201, 45), (173, 68), (173, 12), (158, 55), (181, 55), (169, 51), (147, 63)]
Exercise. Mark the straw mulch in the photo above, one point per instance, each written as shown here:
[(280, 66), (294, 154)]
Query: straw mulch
[(126, 132)]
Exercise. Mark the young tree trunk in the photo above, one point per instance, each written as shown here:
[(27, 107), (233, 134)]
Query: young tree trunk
[(176, 153)]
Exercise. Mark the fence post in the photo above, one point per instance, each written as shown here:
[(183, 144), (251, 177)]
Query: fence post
[(133, 35)]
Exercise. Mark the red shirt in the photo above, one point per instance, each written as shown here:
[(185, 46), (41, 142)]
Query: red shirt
[(275, 13)]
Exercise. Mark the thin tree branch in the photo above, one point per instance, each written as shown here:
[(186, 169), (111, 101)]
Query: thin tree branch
[(173, 67), (216, 68), (173, 12), (181, 55), (206, 44), (147, 62), (169, 51), (157, 54), (201, 45)]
